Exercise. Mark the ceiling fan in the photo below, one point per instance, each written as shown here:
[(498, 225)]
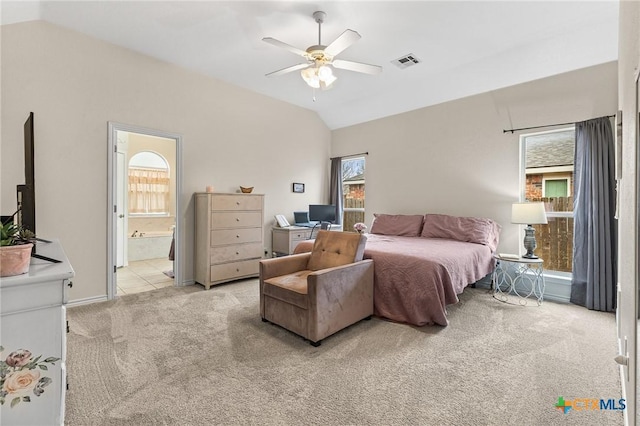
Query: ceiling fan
[(316, 70)]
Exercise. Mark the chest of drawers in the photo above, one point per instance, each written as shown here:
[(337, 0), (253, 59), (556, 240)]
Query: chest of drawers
[(229, 237)]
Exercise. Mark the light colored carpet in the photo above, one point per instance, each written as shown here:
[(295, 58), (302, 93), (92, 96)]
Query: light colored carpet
[(186, 356)]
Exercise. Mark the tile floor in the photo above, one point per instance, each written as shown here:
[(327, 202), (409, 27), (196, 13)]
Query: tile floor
[(144, 275)]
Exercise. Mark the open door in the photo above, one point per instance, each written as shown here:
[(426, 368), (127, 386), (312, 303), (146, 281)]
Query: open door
[(121, 147), (121, 200)]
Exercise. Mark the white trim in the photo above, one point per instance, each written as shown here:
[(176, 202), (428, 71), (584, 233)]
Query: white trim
[(114, 127), (86, 301), (566, 179), (560, 214), (543, 170)]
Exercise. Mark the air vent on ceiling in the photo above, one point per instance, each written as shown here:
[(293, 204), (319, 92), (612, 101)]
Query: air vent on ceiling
[(406, 61)]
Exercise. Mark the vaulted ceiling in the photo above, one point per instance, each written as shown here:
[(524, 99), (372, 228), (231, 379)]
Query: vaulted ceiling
[(463, 47)]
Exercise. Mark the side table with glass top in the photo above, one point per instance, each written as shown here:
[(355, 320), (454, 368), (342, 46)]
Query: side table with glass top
[(518, 279)]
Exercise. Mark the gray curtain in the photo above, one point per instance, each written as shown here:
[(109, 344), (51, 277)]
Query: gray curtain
[(594, 229), (335, 187)]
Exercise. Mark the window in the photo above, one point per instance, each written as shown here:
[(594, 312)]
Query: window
[(148, 184), (548, 165), (352, 192), (555, 188)]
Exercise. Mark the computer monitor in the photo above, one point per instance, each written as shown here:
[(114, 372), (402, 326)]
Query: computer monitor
[(322, 212)]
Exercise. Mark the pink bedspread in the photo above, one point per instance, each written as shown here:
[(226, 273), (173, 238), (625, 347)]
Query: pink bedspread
[(415, 278)]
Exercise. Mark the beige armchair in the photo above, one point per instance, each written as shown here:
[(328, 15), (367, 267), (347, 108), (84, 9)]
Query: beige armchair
[(317, 294)]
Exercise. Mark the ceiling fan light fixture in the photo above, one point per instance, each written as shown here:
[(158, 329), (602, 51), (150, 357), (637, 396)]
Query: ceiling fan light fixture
[(320, 59), (325, 72), (310, 76), (317, 77), (328, 81)]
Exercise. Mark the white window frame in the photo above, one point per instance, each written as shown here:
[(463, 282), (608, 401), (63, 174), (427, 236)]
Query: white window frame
[(566, 179), (561, 275)]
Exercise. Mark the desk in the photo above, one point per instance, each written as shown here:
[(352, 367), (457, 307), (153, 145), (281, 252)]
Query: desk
[(285, 240), (518, 277)]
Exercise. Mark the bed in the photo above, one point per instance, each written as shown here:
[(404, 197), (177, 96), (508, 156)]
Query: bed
[(422, 263)]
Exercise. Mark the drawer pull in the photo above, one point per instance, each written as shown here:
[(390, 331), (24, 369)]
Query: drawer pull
[(237, 219), (237, 269), (237, 253), (237, 236), (237, 203)]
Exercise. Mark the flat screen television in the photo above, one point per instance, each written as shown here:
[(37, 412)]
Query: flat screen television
[(322, 212), (26, 199)]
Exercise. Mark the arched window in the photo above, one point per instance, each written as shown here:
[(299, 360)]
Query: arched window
[(148, 184)]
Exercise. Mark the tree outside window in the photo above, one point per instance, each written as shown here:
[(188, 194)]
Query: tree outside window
[(352, 192)]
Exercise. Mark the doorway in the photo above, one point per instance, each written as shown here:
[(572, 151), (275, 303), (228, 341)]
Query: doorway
[(144, 226)]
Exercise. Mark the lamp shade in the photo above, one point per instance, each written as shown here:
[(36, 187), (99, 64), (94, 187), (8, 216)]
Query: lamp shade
[(528, 213), (318, 77)]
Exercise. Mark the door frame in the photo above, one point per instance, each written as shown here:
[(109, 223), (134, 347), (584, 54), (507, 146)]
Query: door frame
[(113, 128), (121, 157)]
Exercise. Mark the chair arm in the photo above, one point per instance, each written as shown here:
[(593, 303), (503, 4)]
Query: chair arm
[(339, 297), (278, 266)]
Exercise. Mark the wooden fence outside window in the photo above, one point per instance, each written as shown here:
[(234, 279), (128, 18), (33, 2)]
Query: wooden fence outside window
[(555, 239)]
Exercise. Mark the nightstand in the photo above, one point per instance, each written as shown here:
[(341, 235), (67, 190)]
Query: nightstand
[(519, 278)]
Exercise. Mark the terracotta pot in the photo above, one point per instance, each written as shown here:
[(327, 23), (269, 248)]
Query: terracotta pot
[(14, 260)]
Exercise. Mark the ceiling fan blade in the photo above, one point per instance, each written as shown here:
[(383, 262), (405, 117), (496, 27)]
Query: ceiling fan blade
[(284, 45), (357, 67), (288, 69), (346, 39)]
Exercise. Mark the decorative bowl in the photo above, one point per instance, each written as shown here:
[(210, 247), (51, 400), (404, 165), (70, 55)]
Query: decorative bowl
[(246, 190)]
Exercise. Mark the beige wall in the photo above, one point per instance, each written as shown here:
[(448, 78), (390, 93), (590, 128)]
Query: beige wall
[(629, 64), (454, 158), (75, 84)]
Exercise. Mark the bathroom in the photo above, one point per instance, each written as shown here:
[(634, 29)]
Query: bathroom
[(149, 189)]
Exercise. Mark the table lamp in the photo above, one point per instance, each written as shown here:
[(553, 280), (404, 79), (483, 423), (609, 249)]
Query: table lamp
[(529, 214)]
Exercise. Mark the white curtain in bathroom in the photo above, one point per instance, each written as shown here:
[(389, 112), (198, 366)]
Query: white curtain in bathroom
[(148, 190)]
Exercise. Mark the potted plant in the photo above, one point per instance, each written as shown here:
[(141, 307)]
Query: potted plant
[(15, 249)]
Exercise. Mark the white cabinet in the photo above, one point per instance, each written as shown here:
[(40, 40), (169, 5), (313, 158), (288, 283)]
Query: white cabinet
[(285, 240), (229, 237), (33, 340)]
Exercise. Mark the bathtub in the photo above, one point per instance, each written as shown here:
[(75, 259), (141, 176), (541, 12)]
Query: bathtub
[(151, 245)]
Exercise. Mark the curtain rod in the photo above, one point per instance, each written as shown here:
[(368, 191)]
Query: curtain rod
[(351, 155), (548, 125)]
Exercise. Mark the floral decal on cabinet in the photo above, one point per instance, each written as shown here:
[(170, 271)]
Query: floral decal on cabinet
[(22, 374)]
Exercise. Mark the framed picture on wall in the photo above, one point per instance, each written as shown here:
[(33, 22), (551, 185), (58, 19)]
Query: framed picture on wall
[(298, 187)]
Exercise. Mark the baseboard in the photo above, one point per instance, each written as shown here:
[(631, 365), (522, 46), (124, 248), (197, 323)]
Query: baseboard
[(96, 299), (86, 301)]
